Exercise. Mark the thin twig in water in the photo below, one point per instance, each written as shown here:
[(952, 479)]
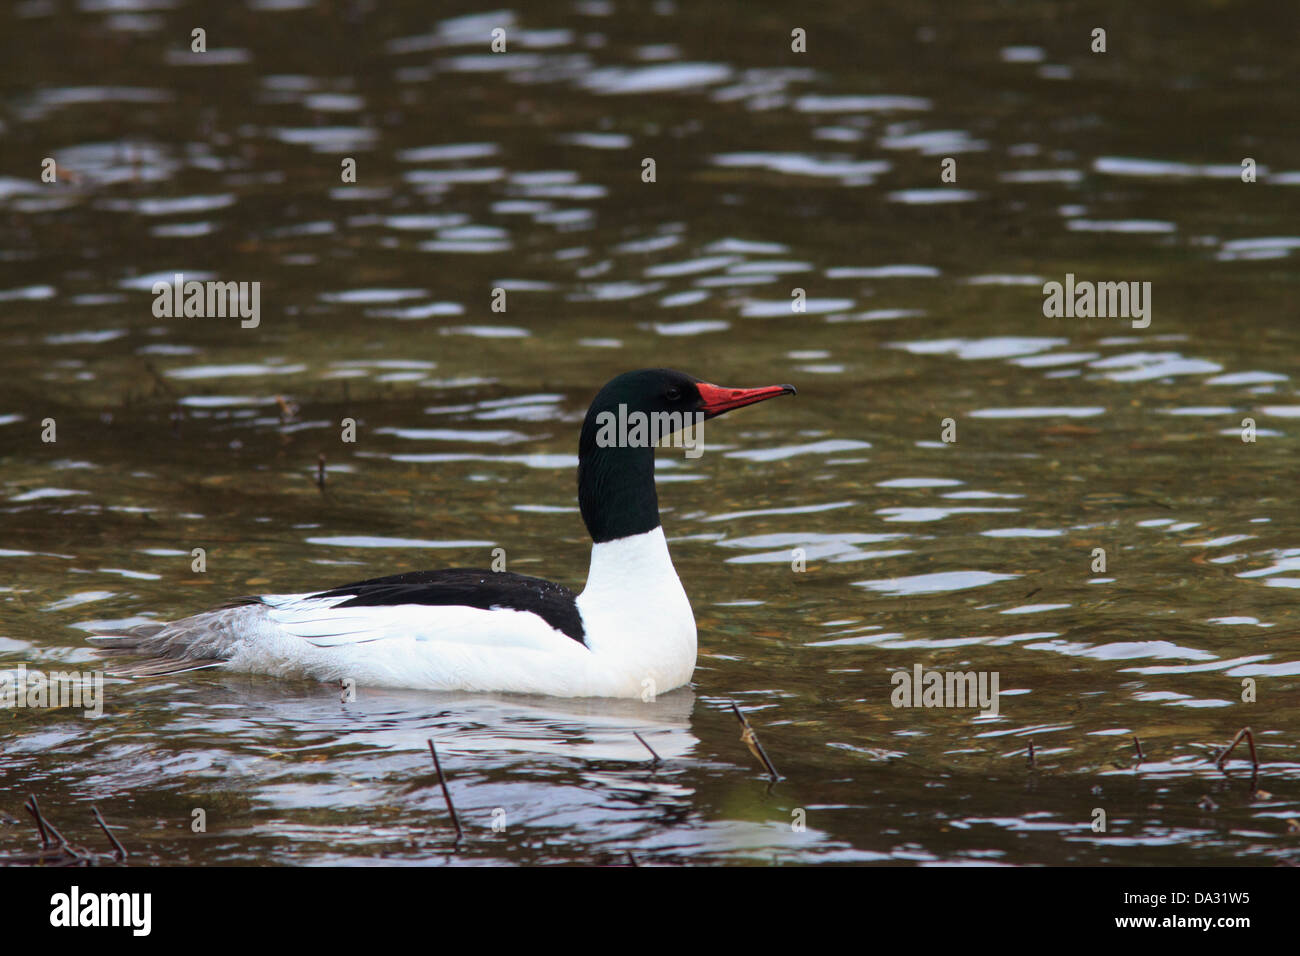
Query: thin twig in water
[(446, 794), (46, 826), (66, 847), (646, 746), (320, 471), (1138, 746), (121, 850), (1250, 739), (158, 381), (55, 849), (1031, 755), (751, 741), (31, 807)]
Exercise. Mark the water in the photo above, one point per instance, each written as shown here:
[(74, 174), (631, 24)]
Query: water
[(774, 171)]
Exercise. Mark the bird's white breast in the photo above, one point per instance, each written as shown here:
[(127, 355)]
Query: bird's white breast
[(637, 615), (640, 636)]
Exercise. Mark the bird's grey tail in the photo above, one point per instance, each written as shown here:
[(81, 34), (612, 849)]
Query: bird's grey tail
[(174, 647)]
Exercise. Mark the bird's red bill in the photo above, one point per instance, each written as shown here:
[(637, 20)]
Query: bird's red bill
[(716, 400)]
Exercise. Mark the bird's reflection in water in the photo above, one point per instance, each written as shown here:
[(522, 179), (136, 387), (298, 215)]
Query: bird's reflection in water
[(585, 728)]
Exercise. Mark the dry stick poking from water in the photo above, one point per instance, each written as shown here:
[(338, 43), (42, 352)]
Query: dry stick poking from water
[(320, 471), (159, 382), (446, 794), (1138, 745), (121, 850), (31, 807), (647, 747), (47, 828), (1250, 739), (751, 741), (55, 849), (1030, 762)]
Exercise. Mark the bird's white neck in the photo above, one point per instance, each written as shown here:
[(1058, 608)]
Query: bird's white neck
[(635, 562)]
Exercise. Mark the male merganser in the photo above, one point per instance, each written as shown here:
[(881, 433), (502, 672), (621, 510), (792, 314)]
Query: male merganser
[(630, 633)]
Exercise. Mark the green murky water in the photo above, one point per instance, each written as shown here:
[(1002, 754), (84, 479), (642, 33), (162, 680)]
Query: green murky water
[(775, 171)]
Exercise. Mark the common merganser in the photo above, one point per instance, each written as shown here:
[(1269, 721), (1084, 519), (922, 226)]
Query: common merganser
[(630, 633)]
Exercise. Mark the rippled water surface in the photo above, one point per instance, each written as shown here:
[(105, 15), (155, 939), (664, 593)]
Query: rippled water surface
[(775, 171)]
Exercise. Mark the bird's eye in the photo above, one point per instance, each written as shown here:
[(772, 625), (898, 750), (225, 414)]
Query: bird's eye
[(673, 393)]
